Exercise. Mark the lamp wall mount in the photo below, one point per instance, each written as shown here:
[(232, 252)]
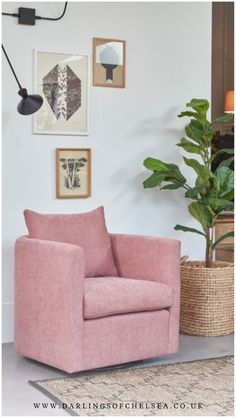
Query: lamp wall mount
[(27, 16)]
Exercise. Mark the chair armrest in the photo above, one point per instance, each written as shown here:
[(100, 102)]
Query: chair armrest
[(151, 258), (49, 279), (147, 258)]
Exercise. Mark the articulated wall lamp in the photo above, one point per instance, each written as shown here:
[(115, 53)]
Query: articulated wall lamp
[(30, 103)]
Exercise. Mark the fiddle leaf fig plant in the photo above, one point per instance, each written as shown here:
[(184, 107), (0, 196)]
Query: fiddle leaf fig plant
[(212, 192)]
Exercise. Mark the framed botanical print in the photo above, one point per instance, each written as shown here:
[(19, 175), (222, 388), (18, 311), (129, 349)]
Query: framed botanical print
[(73, 172), (62, 81), (108, 62)]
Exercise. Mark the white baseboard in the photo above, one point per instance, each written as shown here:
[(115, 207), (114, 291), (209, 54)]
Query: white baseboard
[(7, 322)]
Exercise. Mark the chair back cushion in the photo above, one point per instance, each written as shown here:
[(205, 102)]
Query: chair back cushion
[(87, 230)]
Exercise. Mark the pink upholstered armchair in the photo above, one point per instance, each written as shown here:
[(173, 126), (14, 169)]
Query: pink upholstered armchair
[(74, 322)]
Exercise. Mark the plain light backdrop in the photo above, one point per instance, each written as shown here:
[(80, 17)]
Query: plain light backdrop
[(168, 63)]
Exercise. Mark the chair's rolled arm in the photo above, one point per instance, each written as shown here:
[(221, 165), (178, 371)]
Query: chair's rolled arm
[(49, 278)]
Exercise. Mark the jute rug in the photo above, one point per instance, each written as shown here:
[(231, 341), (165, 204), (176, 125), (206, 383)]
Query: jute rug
[(202, 387)]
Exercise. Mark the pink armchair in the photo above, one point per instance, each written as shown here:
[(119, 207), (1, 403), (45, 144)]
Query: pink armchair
[(75, 323)]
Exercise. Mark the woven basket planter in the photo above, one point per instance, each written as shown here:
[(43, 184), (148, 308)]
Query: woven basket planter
[(207, 299)]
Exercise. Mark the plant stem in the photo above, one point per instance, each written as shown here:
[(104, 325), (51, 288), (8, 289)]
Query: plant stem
[(186, 186), (209, 252)]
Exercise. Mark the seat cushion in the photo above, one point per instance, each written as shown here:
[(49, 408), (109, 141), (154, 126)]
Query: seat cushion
[(106, 296), (87, 230)]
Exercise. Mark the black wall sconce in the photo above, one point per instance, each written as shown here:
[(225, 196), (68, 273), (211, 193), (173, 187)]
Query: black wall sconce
[(29, 103)]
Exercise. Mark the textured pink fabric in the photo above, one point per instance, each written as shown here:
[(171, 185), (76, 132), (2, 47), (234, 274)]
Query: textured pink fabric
[(151, 258), (122, 338), (49, 279), (49, 297), (87, 230), (106, 296)]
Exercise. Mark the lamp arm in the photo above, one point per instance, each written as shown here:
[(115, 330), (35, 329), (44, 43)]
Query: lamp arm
[(13, 71)]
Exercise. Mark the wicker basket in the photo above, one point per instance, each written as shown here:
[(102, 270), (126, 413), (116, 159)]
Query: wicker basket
[(207, 298)]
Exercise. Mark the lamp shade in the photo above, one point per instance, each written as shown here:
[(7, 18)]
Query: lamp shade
[(29, 103), (229, 101)]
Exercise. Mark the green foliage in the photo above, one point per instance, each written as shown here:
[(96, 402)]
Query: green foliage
[(222, 151), (200, 105), (163, 172), (227, 235), (225, 177), (186, 229), (201, 170), (227, 162), (202, 213), (190, 147), (226, 118), (212, 192)]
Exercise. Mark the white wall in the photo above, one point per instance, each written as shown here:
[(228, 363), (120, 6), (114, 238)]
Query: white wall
[(168, 63)]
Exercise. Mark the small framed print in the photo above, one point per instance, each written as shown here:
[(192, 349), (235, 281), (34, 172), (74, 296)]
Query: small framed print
[(62, 80), (108, 62), (73, 172)]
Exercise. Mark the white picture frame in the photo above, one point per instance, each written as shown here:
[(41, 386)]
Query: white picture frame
[(52, 70)]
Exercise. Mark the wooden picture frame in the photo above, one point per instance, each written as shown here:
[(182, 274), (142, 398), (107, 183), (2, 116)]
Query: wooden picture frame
[(73, 173), (111, 72)]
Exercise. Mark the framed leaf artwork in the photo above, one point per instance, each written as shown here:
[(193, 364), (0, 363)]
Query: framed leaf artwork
[(73, 172), (108, 62), (62, 81)]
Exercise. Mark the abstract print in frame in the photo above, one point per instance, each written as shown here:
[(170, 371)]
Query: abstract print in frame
[(73, 172), (62, 81), (108, 62)]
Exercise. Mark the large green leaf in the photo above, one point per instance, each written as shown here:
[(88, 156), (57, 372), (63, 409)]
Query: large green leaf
[(155, 164), (163, 171), (186, 229), (172, 186), (188, 113), (218, 205), (193, 192), (201, 213), (191, 135), (200, 105), (153, 181), (201, 170), (223, 237), (176, 173), (190, 147), (226, 118), (212, 187), (222, 151), (197, 128), (200, 132), (226, 179), (227, 162), (229, 195)]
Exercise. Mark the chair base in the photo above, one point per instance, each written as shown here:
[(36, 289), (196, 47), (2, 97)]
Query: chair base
[(111, 341)]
